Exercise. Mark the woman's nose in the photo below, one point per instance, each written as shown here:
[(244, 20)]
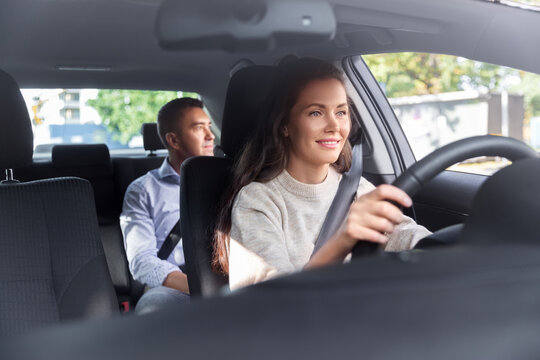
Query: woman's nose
[(332, 123)]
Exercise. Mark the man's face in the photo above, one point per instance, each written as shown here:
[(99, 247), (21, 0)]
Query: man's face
[(194, 137)]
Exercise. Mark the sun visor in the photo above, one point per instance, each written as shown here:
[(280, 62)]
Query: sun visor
[(241, 25)]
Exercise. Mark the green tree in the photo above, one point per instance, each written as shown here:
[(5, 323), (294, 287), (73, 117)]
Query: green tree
[(124, 111), (408, 74)]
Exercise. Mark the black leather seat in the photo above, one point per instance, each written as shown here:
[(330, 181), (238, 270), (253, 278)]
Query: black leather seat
[(52, 265), (203, 180)]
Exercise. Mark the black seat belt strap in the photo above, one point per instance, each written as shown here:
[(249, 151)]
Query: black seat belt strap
[(342, 201), (170, 242)]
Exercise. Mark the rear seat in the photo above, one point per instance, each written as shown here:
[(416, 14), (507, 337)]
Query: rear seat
[(110, 179), (93, 163)]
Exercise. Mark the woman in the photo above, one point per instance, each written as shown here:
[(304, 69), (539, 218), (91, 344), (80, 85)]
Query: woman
[(287, 176)]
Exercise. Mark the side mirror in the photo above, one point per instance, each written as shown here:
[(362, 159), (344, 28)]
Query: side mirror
[(243, 25)]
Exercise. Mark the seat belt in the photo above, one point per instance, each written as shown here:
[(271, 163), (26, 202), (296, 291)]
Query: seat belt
[(170, 242), (343, 199)]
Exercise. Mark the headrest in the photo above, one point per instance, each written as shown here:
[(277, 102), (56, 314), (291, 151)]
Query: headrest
[(80, 155), (16, 137), (151, 138), (246, 94), (506, 207)]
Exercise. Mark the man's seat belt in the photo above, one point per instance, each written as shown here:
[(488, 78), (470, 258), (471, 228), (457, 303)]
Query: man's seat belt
[(345, 194), (170, 242)]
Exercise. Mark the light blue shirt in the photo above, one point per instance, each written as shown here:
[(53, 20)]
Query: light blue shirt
[(151, 209)]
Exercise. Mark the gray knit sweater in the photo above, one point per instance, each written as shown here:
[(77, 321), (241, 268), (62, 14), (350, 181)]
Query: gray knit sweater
[(275, 226)]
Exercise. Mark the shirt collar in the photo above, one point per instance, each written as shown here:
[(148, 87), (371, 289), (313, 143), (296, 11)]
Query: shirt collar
[(166, 170)]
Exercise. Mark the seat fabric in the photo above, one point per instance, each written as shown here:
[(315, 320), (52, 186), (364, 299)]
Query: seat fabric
[(52, 267), (203, 180), (200, 194), (151, 139)]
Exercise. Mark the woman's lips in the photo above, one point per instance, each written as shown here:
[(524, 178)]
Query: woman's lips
[(329, 143)]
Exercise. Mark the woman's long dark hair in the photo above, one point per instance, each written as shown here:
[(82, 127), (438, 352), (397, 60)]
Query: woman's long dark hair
[(265, 155)]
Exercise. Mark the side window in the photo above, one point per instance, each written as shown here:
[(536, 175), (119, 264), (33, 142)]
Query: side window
[(439, 99), (114, 117)]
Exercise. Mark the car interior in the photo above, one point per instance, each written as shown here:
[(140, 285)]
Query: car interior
[(468, 291)]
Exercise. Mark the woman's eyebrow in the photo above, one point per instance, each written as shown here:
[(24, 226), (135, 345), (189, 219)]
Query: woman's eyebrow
[(315, 105), (323, 106)]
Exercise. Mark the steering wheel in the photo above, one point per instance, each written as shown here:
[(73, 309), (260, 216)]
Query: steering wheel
[(415, 177)]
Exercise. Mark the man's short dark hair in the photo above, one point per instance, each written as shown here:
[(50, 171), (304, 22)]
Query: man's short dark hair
[(169, 113)]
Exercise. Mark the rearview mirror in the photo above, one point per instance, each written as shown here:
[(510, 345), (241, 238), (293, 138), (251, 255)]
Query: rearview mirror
[(243, 25)]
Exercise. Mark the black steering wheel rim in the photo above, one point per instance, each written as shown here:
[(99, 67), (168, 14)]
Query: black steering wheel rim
[(415, 177)]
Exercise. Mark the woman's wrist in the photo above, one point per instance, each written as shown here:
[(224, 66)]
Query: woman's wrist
[(334, 251)]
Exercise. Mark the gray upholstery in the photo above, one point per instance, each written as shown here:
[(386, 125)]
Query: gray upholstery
[(93, 163), (204, 180), (81, 155), (246, 94), (151, 138), (52, 266), (16, 135)]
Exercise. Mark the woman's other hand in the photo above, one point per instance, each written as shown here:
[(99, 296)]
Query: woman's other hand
[(372, 217)]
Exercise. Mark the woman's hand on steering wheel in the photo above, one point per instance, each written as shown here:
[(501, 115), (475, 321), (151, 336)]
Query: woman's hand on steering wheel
[(370, 217), (373, 216)]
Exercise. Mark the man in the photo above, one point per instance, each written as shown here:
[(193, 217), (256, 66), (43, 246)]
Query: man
[(151, 205)]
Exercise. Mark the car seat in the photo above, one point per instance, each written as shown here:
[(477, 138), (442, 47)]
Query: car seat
[(203, 180), (52, 265)]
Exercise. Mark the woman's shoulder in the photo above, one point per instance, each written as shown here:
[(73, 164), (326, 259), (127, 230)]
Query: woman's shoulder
[(255, 188), (257, 193)]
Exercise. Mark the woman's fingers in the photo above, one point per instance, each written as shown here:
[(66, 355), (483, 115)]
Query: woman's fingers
[(388, 211), (371, 221), (381, 208), (372, 217), (390, 193), (359, 232)]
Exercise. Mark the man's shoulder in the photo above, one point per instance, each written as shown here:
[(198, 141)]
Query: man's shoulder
[(143, 182)]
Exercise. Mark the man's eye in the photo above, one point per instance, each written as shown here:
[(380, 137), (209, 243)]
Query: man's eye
[(315, 113)]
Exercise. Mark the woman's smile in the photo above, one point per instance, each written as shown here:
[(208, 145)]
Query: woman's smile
[(329, 143)]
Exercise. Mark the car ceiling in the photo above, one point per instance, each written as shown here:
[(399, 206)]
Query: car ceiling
[(37, 36)]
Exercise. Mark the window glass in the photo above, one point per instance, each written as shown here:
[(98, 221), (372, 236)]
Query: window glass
[(439, 99), (113, 117), (526, 4)]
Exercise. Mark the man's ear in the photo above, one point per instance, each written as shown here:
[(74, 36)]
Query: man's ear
[(172, 140)]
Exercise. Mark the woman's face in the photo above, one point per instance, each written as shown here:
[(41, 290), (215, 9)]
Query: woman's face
[(319, 124)]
